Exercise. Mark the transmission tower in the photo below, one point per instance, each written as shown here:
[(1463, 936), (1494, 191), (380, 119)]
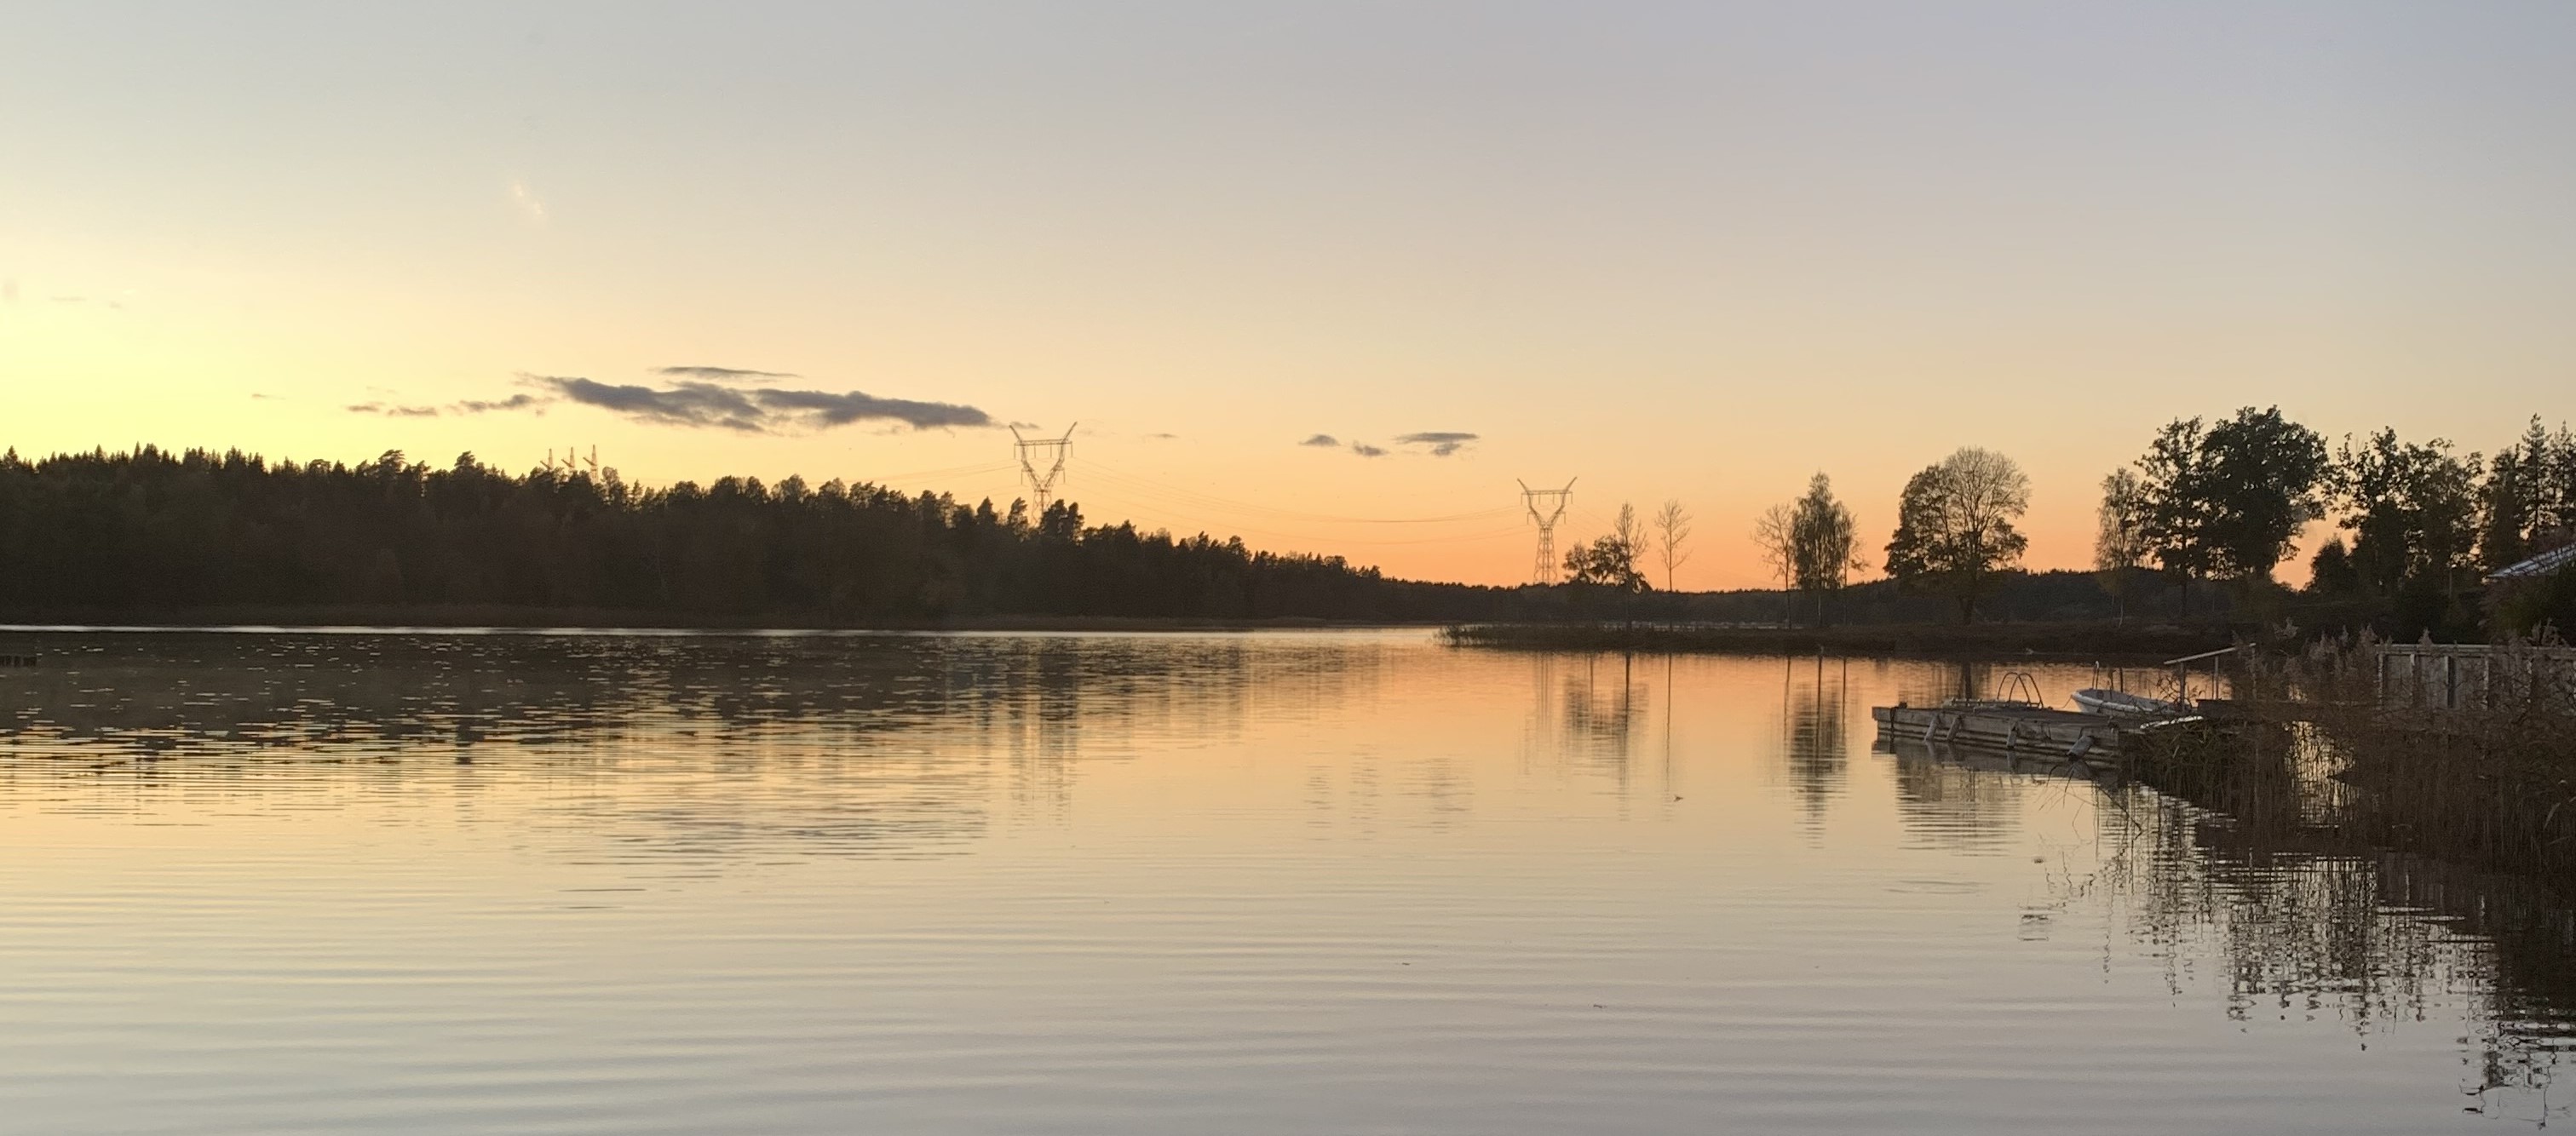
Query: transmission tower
[(572, 460), (1546, 507), (1049, 452)]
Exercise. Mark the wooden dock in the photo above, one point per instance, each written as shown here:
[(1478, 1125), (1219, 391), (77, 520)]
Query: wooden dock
[(2008, 727)]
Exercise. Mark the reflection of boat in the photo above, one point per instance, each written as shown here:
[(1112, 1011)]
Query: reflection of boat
[(2122, 704)]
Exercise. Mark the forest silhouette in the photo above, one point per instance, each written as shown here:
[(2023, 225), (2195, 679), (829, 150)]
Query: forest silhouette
[(116, 535)]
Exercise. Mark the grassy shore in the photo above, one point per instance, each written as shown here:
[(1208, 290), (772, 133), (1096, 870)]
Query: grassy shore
[(2075, 640)]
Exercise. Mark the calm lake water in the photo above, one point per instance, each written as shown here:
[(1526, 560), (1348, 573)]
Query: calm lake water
[(1167, 884)]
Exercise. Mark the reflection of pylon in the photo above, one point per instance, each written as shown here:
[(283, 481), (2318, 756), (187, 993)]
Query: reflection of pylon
[(1546, 506), (1052, 452)]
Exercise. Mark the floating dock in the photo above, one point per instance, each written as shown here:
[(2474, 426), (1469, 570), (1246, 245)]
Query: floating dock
[(2009, 727)]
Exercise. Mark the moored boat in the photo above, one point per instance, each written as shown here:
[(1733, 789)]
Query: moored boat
[(2122, 704)]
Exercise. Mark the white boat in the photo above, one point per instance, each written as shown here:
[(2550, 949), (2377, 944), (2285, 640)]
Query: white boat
[(2122, 704)]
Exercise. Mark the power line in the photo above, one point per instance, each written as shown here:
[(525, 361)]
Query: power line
[(1151, 512), (958, 472), (1209, 500)]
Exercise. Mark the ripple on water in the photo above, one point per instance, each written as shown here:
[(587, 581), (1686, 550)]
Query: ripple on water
[(1297, 882)]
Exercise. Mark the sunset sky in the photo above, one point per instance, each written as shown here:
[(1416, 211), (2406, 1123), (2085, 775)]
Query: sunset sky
[(1689, 250)]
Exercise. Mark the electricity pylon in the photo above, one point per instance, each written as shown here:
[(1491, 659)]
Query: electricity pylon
[(1052, 452), (1546, 507), (572, 460)]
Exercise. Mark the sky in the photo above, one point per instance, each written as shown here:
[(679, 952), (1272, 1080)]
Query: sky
[(1337, 278)]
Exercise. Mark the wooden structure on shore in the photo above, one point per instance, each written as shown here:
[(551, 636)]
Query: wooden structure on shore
[(2471, 676)]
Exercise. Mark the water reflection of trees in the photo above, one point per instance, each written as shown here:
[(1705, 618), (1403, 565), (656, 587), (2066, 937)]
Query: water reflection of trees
[(849, 744), (1815, 729), (1950, 799), (1588, 708)]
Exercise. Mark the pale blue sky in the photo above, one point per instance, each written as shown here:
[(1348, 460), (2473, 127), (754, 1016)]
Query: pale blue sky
[(1677, 250)]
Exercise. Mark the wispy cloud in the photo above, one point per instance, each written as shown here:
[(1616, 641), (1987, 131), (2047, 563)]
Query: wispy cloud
[(722, 374), (755, 410), (514, 402), (467, 407), (529, 204), (1441, 443), (1436, 443)]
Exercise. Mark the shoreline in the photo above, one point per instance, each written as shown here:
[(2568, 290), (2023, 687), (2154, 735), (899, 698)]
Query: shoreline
[(608, 621), (2074, 641), (2051, 640)]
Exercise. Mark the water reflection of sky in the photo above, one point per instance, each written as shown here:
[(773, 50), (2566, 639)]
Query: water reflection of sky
[(1134, 883)]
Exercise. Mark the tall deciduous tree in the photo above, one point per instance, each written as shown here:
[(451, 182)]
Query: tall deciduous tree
[(2120, 533), (2413, 511), (1823, 542), (1611, 560), (2265, 474), (1954, 525), (1672, 533), (2227, 500), (1779, 552)]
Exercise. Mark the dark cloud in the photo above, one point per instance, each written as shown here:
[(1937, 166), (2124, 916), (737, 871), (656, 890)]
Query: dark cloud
[(722, 374), (754, 410), (1323, 440), (1162, 437), (1442, 442), (1366, 450)]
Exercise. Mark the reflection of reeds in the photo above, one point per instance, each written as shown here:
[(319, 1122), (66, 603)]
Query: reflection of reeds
[(2493, 784), (2304, 922), (2340, 823)]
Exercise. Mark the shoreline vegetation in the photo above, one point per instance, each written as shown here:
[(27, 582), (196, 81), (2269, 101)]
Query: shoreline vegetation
[(2078, 640), (2490, 787), (2189, 538)]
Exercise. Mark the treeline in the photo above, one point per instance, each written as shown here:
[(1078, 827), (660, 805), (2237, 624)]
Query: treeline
[(102, 535), (2220, 502)]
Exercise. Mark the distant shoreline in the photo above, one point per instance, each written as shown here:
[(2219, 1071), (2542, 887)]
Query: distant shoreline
[(2069, 640), (2076, 640), (610, 620)]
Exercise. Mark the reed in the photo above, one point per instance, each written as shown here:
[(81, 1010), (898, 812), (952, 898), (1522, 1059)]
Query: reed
[(2492, 785)]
